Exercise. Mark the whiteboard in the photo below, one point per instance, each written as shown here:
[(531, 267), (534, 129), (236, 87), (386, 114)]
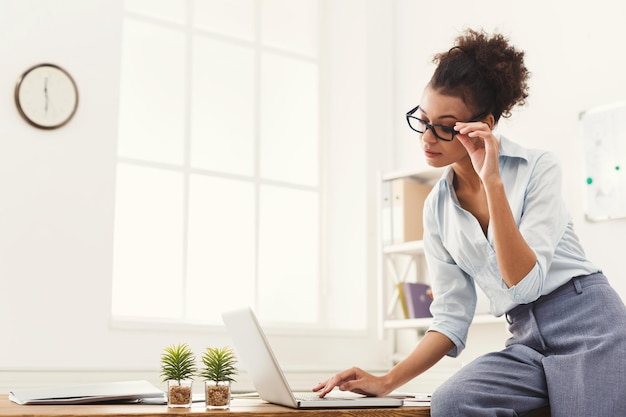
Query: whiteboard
[(604, 137)]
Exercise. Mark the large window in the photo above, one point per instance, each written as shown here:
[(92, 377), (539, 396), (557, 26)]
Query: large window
[(218, 178)]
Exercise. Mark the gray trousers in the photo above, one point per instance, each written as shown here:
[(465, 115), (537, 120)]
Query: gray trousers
[(567, 350)]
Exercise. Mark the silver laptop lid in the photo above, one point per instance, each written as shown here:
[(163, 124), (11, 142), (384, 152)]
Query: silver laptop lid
[(256, 354)]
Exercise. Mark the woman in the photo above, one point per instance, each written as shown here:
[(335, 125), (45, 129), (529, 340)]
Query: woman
[(497, 219)]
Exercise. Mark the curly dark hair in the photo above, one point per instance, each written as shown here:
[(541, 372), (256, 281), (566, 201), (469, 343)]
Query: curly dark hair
[(486, 72)]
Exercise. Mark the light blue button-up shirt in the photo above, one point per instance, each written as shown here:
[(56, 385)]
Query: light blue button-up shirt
[(459, 255)]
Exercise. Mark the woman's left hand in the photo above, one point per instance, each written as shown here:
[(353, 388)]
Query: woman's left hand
[(482, 147)]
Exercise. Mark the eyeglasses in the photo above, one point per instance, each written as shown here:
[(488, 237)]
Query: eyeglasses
[(442, 132)]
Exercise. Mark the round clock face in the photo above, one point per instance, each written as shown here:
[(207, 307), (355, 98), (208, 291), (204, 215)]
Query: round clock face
[(46, 96)]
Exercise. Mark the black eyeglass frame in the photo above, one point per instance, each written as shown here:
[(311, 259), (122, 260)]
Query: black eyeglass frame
[(431, 126)]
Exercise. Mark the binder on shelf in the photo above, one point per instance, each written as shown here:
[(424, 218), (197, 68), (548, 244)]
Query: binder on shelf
[(386, 220), (403, 303), (407, 208), (418, 299)]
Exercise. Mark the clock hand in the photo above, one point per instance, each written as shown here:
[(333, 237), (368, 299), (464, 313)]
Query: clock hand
[(45, 90)]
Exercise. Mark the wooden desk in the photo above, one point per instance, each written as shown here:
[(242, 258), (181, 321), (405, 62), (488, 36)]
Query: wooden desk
[(241, 407)]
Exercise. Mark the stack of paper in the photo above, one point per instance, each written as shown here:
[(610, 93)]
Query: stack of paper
[(127, 391)]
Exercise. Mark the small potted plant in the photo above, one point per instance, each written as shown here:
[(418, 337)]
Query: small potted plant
[(218, 371), (177, 369)]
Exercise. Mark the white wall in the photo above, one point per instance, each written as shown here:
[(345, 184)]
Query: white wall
[(57, 186), (575, 53)]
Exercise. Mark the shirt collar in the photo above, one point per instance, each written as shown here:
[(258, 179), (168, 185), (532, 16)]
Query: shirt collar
[(512, 149)]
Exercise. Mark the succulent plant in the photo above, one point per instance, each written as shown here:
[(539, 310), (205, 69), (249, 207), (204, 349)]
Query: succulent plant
[(218, 365), (178, 363)]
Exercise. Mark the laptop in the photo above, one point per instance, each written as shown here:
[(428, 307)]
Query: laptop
[(267, 376)]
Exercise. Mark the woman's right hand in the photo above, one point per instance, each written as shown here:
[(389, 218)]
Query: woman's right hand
[(355, 380), (429, 351)]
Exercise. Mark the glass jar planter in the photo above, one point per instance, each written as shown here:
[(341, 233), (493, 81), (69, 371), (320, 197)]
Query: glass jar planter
[(179, 393), (217, 394)]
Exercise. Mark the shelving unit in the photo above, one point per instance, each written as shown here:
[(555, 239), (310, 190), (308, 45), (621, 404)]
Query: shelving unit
[(405, 262), (399, 262)]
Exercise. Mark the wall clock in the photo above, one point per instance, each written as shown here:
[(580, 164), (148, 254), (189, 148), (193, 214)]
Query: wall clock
[(46, 96)]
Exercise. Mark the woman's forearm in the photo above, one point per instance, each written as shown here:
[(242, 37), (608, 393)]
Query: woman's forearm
[(515, 257), (428, 352)]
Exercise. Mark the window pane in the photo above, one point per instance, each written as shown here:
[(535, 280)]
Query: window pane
[(172, 10), (148, 243), (289, 120), (288, 255), (291, 25), (237, 109), (229, 17), (220, 272), (152, 104), (222, 135)]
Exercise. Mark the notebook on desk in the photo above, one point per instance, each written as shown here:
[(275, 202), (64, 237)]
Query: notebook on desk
[(268, 378)]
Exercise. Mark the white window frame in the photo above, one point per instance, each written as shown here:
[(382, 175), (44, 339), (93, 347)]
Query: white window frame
[(256, 180)]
